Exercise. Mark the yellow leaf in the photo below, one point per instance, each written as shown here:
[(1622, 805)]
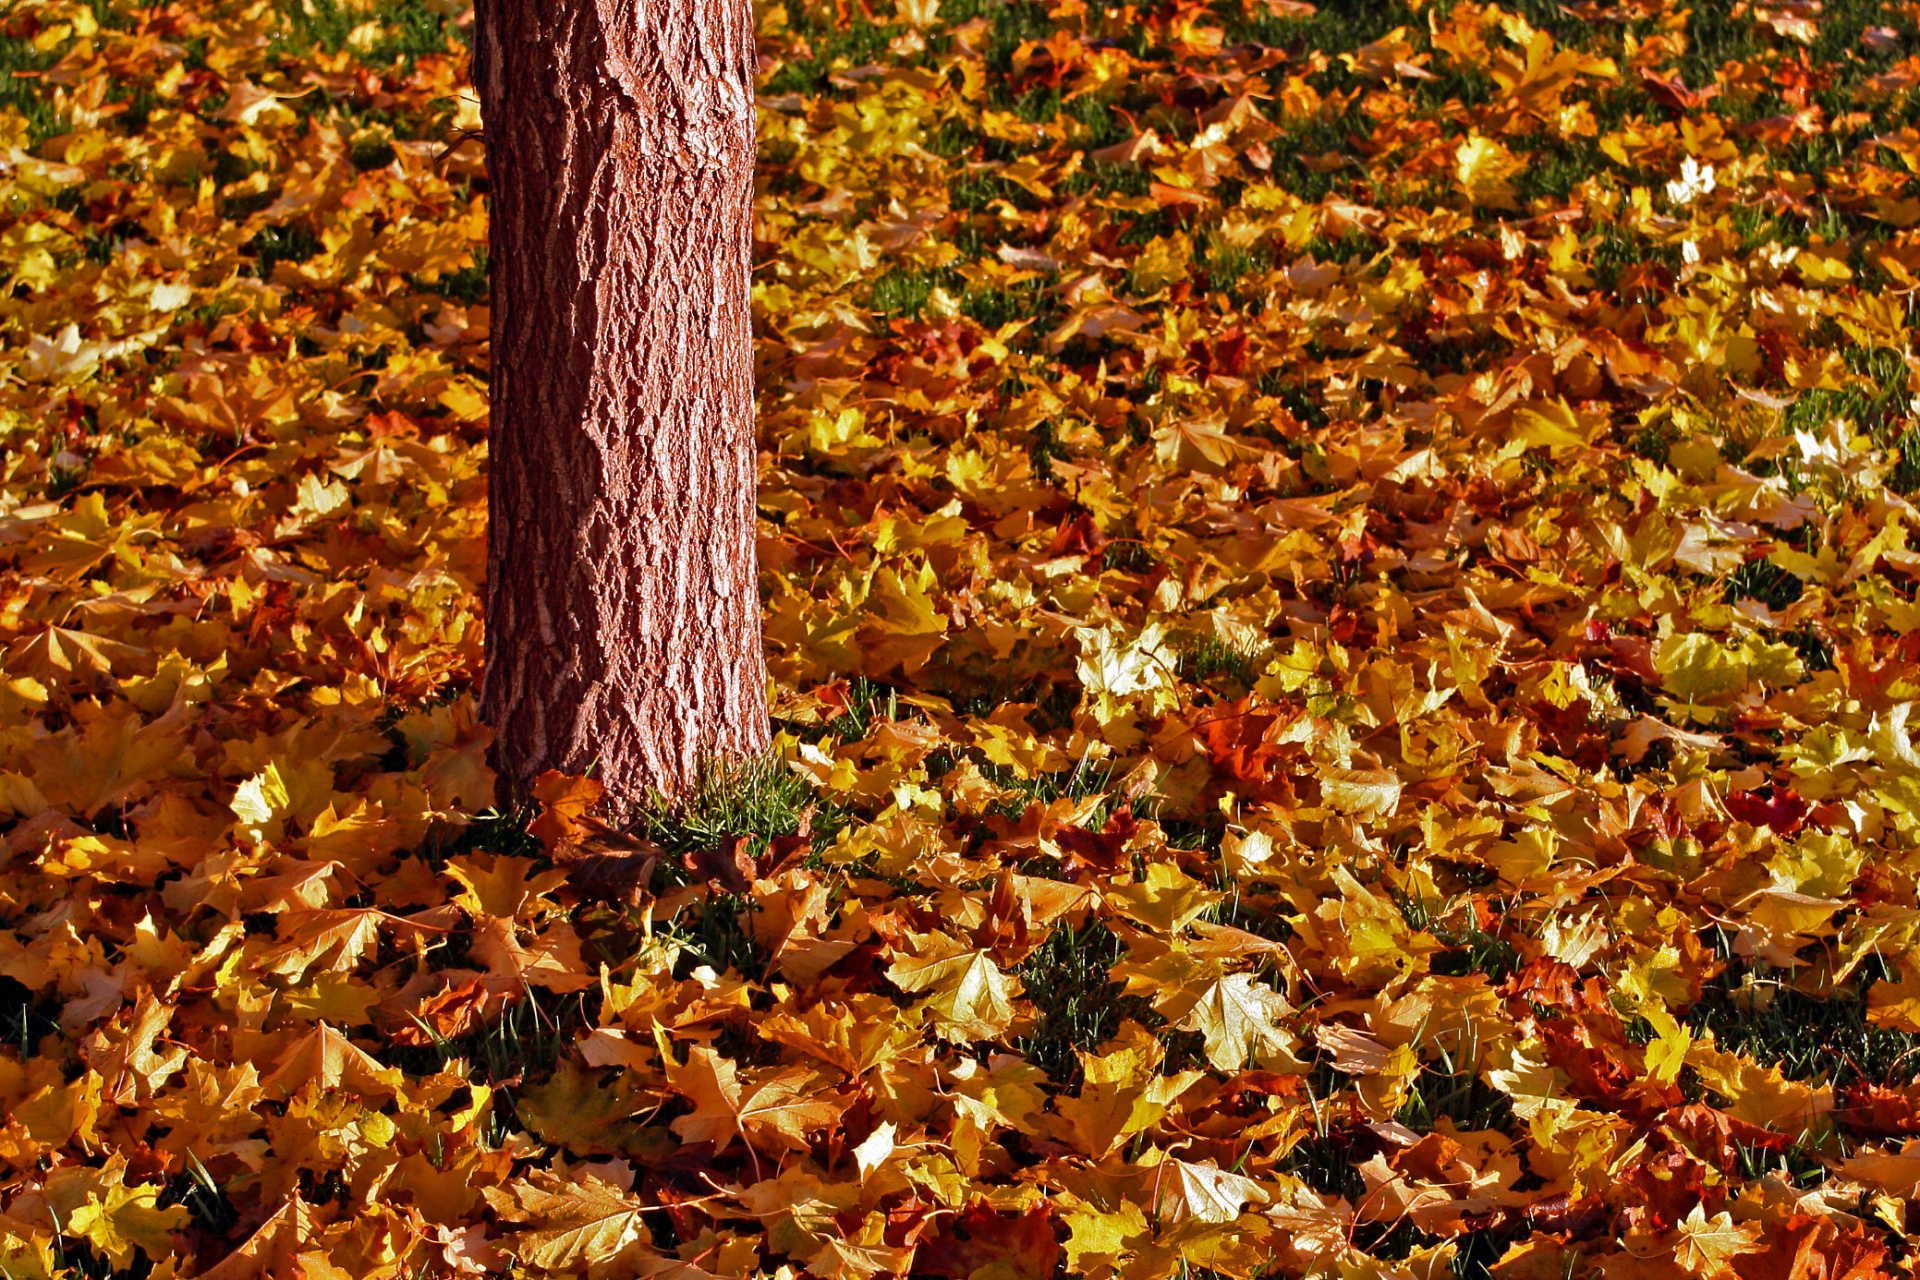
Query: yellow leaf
[(1101, 1237), (116, 1219), (971, 999), (1164, 261), (1202, 1191), (1237, 1016), (1167, 900), (775, 1112), (576, 1223), (1482, 166), (1695, 666), (261, 799), (1704, 1245), (128, 1219)]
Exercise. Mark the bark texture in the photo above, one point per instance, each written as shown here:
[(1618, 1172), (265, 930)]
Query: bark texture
[(623, 617)]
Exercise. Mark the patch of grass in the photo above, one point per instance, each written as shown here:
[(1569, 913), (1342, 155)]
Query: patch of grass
[(1615, 253), (1104, 126), (976, 189), (1035, 106), (1284, 385), (469, 285), (1225, 265), (202, 1197), (24, 1020), (523, 1046), (1333, 28), (1755, 1013), (1559, 165), (714, 933), (867, 701), (294, 242), (1264, 916), (759, 799), (1086, 778), (1314, 139), (1655, 441), (1109, 178), (1127, 555), (992, 308), (1813, 648), (238, 208), (27, 94), (1012, 23), (1205, 659), (861, 43), (1328, 1159), (953, 139), (906, 293), (408, 30), (1461, 1097), (1766, 582), (495, 831), (1079, 1006), (371, 153), (1875, 403), (1905, 476), (1469, 947)]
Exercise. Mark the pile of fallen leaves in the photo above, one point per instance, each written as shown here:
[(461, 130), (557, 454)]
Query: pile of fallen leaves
[(1344, 635)]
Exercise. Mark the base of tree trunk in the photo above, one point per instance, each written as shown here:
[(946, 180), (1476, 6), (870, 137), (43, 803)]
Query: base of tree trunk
[(623, 616)]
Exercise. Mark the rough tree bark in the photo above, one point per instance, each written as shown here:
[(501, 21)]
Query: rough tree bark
[(623, 619)]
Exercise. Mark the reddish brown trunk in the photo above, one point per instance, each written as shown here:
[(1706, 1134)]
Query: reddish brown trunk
[(623, 620)]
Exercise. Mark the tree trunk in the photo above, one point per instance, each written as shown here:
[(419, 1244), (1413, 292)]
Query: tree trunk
[(623, 616)]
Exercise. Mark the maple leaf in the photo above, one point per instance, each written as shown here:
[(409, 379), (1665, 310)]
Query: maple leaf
[(130, 1066), (270, 1250), (1704, 1246), (844, 1260), (1124, 1094), (326, 1061), (1237, 1016), (971, 999), (1115, 666), (580, 1110), (1165, 900), (346, 936), (1483, 167), (564, 805), (774, 1112), (497, 885), (875, 1149), (125, 1219), (1101, 1237), (1202, 1191), (1020, 1245), (578, 1223)]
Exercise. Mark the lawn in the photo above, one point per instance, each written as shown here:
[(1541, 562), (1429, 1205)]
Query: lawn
[(1342, 623)]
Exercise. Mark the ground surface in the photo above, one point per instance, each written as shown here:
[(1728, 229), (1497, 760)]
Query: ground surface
[(1340, 596)]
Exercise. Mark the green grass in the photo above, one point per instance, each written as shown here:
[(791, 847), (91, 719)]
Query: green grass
[(861, 43), (469, 285), (410, 30), (1756, 1014), (759, 799), (1210, 661), (520, 1048), (1080, 1007), (27, 94), (23, 1020), (906, 293), (1764, 581)]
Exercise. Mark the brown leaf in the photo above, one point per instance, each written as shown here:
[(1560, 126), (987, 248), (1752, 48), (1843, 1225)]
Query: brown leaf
[(729, 868)]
